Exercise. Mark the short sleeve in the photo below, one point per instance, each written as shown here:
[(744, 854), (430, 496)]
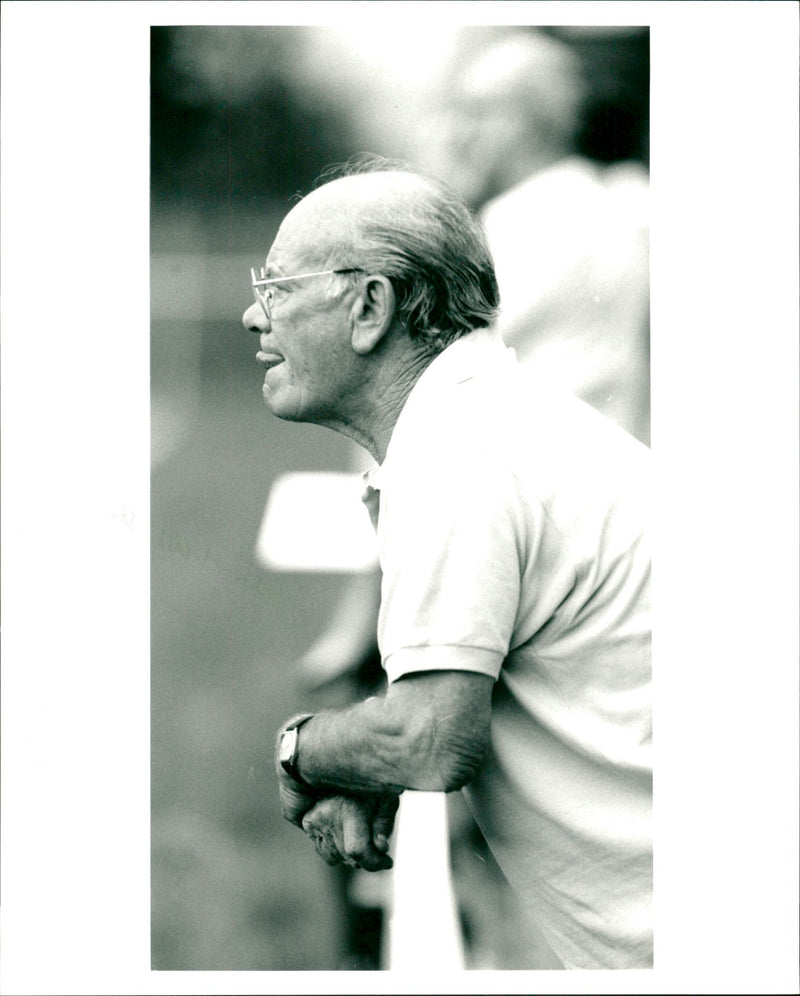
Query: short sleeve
[(452, 546)]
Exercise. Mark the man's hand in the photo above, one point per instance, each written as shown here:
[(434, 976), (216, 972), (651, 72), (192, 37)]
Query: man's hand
[(296, 797), (353, 830), (429, 732)]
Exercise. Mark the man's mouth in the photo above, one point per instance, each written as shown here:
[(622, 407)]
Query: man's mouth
[(269, 359)]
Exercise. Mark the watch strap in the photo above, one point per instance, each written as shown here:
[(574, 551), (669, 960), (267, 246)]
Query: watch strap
[(289, 746)]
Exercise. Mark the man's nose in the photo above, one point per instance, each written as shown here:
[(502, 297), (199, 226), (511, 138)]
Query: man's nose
[(254, 319)]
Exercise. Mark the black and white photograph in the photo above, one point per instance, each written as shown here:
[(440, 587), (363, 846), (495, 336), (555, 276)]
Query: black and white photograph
[(410, 547), (262, 553)]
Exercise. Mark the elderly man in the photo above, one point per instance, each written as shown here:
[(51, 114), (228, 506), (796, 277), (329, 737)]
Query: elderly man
[(514, 625)]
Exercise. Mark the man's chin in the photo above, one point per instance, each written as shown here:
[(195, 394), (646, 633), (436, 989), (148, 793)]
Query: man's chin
[(273, 401)]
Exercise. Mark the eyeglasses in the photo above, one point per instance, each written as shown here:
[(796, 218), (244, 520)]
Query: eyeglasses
[(259, 279)]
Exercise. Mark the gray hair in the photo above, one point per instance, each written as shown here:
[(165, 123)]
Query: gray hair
[(431, 248)]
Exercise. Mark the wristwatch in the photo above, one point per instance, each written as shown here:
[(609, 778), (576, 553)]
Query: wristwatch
[(288, 744)]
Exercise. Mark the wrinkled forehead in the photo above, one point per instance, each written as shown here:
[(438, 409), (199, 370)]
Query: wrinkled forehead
[(321, 228), (310, 234), (300, 245)]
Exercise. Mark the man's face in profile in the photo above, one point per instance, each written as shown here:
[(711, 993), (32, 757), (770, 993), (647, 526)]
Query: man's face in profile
[(305, 347)]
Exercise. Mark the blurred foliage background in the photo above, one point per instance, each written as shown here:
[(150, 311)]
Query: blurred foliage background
[(242, 119)]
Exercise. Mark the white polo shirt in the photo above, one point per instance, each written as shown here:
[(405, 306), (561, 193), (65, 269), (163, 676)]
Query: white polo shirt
[(512, 540)]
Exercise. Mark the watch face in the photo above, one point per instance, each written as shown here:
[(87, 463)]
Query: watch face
[(286, 748)]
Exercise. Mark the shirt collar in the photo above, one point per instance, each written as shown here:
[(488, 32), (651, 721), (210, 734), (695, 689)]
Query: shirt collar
[(467, 356)]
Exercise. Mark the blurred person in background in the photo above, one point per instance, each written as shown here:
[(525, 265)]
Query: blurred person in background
[(514, 624), (569, 235)]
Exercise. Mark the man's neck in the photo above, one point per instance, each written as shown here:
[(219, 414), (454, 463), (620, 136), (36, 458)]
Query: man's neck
[(372, 423)]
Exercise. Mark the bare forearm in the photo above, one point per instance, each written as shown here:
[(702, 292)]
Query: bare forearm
[(402, 740), (360, 749)]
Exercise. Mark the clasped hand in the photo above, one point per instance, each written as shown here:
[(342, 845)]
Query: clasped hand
[(351, 830)]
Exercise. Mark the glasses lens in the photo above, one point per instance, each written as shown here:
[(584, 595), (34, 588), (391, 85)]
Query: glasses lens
[(261, 294)]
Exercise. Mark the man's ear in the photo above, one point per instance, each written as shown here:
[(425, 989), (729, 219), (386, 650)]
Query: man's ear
[(372, 313)]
